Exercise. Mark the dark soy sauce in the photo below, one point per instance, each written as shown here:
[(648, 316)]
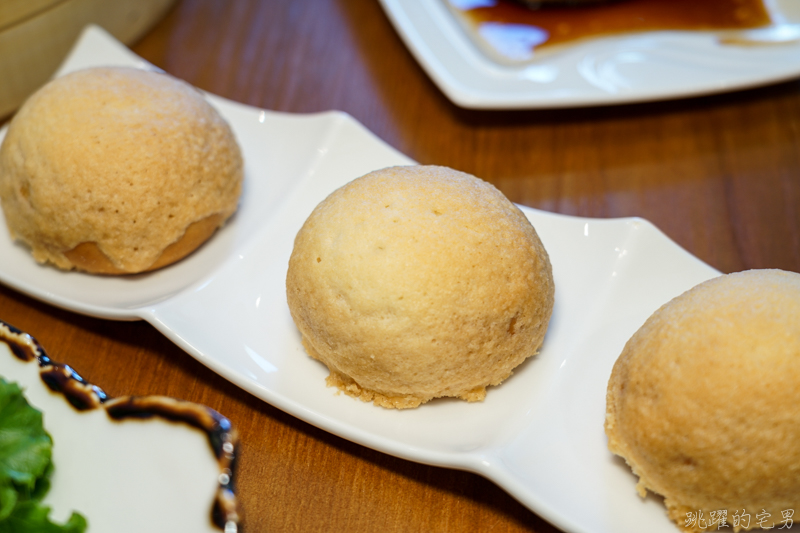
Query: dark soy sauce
[(551, 26)]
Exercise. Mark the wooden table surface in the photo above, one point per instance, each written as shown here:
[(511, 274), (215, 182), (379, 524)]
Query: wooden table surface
[(720, 175)]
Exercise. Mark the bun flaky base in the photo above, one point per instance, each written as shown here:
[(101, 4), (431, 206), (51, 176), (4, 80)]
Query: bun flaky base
[(704, 401), (413, 283), (117, 170)]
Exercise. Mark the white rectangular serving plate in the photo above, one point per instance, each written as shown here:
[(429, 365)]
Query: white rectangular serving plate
[(539, 435), (617, 69)]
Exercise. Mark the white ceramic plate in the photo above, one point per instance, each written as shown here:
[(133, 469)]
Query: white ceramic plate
[(610, 70), (128, 475), (539, 436)]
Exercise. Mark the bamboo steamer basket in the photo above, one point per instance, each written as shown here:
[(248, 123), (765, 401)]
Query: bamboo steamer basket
[(36, 35)]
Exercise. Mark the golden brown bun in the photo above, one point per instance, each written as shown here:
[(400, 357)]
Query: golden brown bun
[(412, 283), (704, 401), (117, 170)]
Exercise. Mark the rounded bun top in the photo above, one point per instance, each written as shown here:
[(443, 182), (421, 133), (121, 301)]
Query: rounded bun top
[(120, 157), (704, 401), (415, 282)]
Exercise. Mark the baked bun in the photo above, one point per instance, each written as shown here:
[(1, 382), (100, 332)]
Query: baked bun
[(117, 170), (704, 401), (412, 283)]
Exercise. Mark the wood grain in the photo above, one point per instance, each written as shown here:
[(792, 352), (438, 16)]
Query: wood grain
[(720, 175)]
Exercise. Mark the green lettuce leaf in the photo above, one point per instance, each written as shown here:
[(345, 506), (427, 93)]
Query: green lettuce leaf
[(31, 517), (25, 468)]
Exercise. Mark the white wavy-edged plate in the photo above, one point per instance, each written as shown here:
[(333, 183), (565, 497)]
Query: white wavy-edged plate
[(128, 464), (610, 70), (539, 435)]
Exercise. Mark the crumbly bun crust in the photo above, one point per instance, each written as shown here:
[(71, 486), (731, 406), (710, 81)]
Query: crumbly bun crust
[(412, 283), (704, 401), (104, 169)]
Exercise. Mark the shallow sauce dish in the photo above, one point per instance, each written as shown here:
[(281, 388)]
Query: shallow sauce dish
[(614, 69), (539, 435)]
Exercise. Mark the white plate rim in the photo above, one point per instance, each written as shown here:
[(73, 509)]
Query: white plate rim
[(569, 78), (631, 253), (25, 362)]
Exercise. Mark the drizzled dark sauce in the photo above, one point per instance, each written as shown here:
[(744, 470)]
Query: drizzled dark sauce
[(505, 28), (82, 395)]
